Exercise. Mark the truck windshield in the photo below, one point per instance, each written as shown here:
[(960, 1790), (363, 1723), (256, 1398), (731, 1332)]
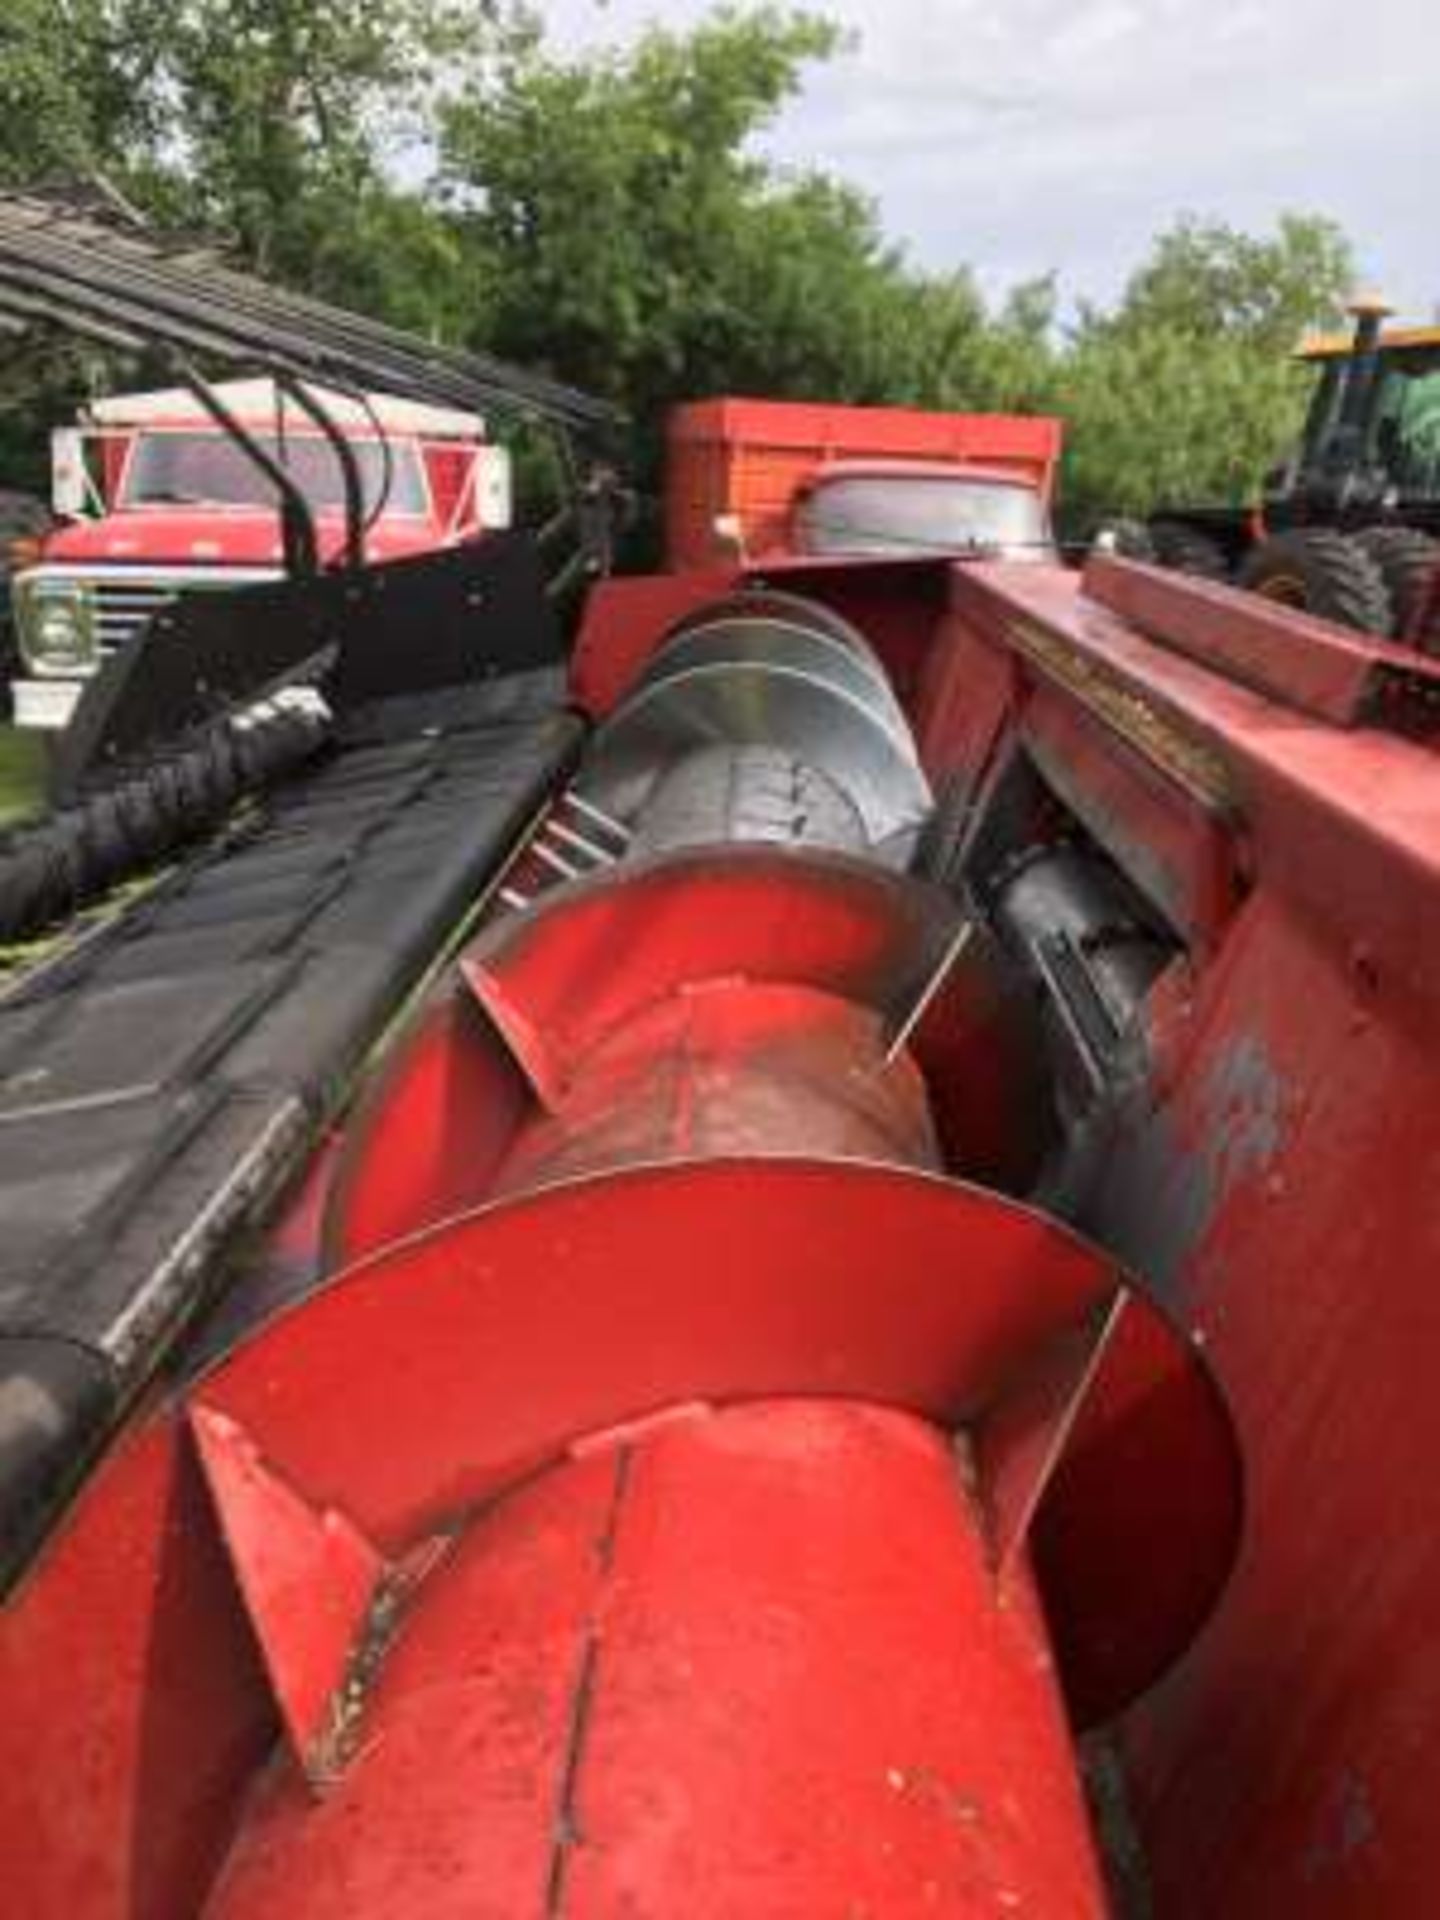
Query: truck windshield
[(896, 513), (210, 470)]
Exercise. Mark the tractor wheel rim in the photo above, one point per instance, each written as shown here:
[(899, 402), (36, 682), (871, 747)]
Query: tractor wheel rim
[(1286, 588)]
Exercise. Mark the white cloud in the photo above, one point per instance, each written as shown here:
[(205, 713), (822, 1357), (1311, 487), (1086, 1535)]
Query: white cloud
[(1032, 134)]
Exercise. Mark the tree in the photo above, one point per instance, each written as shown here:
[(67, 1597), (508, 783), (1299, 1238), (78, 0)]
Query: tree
[(78, 86), (286, 117), (606, 215), (1188, 390), (1205, 279), (611, 204), (635, 243), (1156, 415), (272, 124), (275, 125)]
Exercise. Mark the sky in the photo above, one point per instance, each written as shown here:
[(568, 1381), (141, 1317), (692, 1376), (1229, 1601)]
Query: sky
[(1020, 136)]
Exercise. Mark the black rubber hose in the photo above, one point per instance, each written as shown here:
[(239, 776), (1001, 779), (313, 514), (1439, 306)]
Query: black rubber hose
[(51, 867)]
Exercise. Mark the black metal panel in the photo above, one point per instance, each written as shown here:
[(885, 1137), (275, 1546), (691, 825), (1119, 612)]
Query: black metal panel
[(471, 613), (417, 626)]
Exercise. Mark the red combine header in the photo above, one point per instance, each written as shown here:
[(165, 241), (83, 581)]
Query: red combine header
[(653, 1518), (784, 1272)]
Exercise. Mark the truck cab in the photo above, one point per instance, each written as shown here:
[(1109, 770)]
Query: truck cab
[(767, 479), (1392, 441), (155, 498)]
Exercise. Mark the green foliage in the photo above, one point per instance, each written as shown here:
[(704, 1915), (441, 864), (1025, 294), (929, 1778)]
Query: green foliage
[(1188, 391), (614, 209), (1203, 279), (77, 86), (634, 241), (607, 215), (284, 112), (1159, 413)]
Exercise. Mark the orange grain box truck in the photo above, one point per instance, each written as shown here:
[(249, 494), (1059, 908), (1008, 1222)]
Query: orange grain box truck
[(772, 477)]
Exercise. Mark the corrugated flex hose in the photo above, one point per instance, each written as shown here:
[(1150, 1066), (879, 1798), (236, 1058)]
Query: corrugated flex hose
[(51, 867)]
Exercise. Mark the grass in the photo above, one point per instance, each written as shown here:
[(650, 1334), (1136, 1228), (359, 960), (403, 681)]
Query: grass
[(22, 775)]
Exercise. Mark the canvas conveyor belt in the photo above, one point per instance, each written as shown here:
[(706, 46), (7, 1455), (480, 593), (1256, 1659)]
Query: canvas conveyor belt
[(160, 1082)]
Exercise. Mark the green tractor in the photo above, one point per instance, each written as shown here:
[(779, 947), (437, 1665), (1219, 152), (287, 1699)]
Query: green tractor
[(1347, 528)]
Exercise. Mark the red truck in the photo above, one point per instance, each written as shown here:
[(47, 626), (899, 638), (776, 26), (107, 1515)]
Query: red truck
[(751, 479), (155, 498)]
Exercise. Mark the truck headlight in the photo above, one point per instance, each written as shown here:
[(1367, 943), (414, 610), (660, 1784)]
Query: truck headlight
[(55, 624)]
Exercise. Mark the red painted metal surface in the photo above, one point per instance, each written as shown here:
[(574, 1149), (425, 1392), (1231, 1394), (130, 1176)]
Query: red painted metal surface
[(726, 1069), (1145, 1401), (1276, 1176), (1274, 1172), (309, 1579), (965, 697), (419, 1388), (1334, 818), (689, 1054), (1292, 1181), (426, 1138), (979, 1046), (690, 1650), (1327, 671), (136, 1708), (1019, 1447), (429, 1136), (747, 1277), (897, 604), (591, 956), (886, 1737), (623, 623)]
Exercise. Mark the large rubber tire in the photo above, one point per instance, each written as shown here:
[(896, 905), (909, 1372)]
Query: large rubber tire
[(1321, 572), (1408, 559), (1186, 550)]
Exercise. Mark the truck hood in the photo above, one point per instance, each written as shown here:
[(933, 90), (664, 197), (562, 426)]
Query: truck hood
[(232, 538)]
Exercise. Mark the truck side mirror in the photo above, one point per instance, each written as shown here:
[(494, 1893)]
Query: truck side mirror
[(70, 489)]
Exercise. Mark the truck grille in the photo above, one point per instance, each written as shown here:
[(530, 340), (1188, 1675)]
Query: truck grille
[(124, 601), (123, 606)]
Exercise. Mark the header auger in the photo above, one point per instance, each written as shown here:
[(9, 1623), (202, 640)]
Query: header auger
[(664, 1510)]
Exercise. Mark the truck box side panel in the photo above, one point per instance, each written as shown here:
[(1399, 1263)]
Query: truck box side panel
[(749, 457)]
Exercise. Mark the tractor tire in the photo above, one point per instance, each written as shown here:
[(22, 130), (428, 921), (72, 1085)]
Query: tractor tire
[(1185, 550), (1324, 573), (1408, 559)]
